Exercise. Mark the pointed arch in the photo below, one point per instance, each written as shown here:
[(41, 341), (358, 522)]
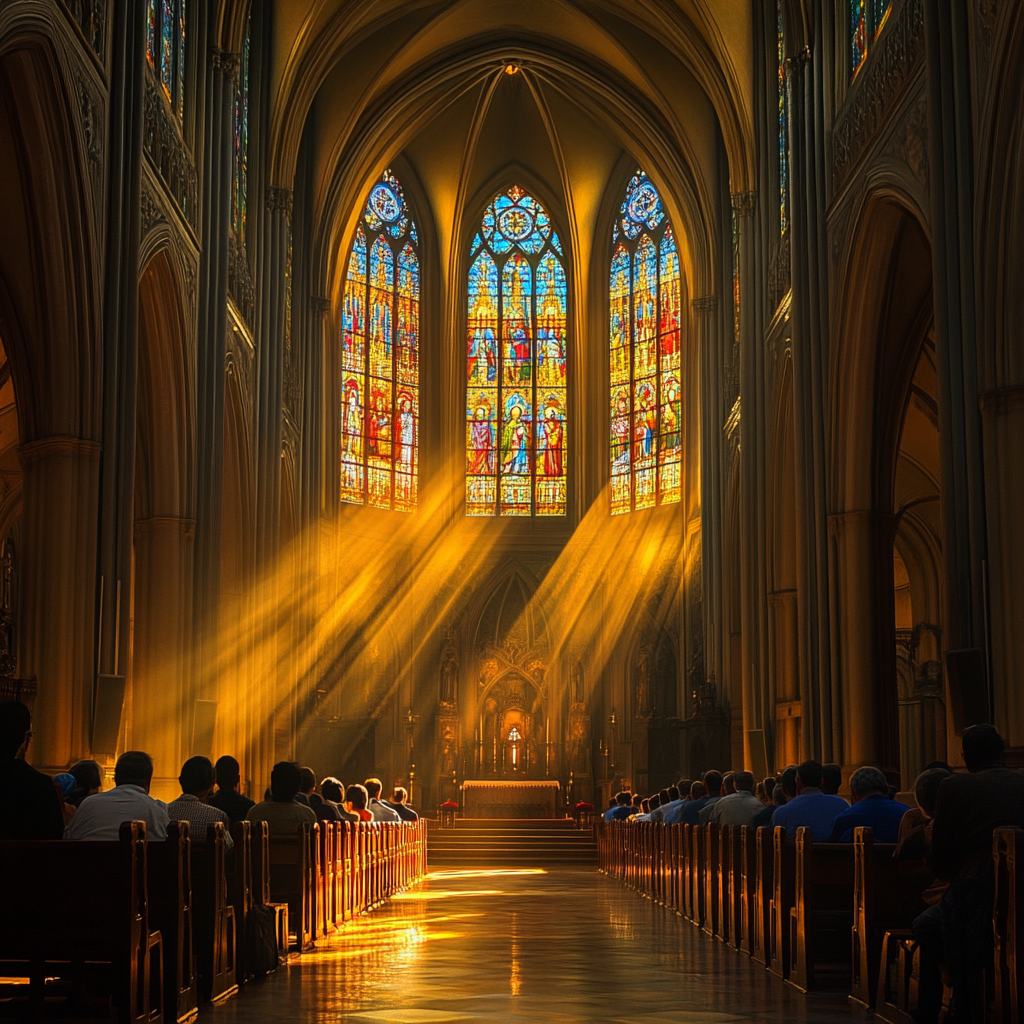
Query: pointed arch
[(380, 327), (644, 353), (516, 362)]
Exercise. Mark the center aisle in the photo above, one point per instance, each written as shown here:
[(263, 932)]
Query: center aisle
[(523, 945)]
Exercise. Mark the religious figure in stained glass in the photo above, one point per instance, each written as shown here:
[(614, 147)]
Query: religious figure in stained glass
[(165, 49), (644, 354), (380, 355), (783, 125), (516, 363), (866, 20)]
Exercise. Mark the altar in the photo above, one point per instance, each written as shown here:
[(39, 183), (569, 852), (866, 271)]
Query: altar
[(502, 799)]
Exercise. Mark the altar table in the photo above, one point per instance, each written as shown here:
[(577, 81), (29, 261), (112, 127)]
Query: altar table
[(504, 799)]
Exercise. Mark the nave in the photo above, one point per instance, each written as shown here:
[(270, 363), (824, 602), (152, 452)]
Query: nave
[(510, 945)]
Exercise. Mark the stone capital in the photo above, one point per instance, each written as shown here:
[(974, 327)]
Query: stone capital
[(227, 62), (279, 198), (706, 305), (744, 203), (319, 304)]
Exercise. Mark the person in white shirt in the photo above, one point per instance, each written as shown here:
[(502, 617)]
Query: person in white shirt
[(738, 808), (380, 810), (100, 816)]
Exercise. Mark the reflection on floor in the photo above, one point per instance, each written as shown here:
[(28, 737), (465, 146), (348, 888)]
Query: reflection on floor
[(524, 945)]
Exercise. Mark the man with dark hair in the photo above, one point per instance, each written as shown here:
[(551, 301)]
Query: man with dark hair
[(831, 780), (740, 807), (333, 793), (669, 799), (29, 805), (621, 810), (323, 810), (227, 798), (100, 817), (871, 808), (694, 815), (958, 930), (307, 785), (399, 801), (197, 780), (377, 807), (810, 808), (282, 813), (356, 799)]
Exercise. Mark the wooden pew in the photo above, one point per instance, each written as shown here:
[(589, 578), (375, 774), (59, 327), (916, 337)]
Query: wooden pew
[(886, 896), (732, 888), (764, 894), (261, 888), (100, 940), (748, 888), (292, 881), (783, 884), (215, 938), (699, 855), (1008, 924), (821, 919), (241, 896), (169, 885), (711, 869)]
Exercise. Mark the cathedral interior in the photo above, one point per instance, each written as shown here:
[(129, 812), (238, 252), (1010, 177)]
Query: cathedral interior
[(384, 379)]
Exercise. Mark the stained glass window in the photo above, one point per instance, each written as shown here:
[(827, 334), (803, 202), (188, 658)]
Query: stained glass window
[(516, 451), (866, 20), (783, 126), (380, 330), (240, 179), (644, 347), (165, 48)]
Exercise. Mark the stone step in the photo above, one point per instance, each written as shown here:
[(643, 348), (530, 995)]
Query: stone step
[(511, 842)]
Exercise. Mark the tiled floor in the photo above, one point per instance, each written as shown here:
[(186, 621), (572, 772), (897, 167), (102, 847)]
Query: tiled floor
[(509, 946)]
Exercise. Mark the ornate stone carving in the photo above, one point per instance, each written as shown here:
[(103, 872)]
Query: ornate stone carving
[(240, 286), (744, 203), (152, 213), (877, 88), (914, 143), (91, 16), (706, 305), (167, 152), (279, 199), (227, 62), (320, 305), (449, 672), (779, 272)]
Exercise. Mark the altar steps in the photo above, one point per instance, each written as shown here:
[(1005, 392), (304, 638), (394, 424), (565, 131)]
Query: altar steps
[(511, 842)]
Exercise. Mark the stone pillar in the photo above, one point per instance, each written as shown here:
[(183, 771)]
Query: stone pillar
[(1003, 424), (57, 643), (161, 658)]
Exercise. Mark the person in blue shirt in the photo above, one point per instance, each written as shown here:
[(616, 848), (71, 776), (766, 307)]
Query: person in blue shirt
[(697, 793), (621, 811), (713, 785), (810, 808), (871, 807)]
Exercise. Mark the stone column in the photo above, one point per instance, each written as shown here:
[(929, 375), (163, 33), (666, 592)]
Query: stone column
[(57, 645), (161, 659)]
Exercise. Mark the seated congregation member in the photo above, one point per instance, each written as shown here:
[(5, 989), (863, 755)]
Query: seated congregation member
[(100, 816), (957, 931), (400, 802), (282, 812), (669, 798), (380, 810), (622, 808), (915, 838), (871, 808), (323, 811), (333, 793), (88, 781), (651, 804), (197, 780), (810, 808), (741, 807), (356, 799), (638, 804), (831, 779), (728, 788), (29, 805), (227, 798), (696, 792), (713, 785), (764, 816), (64, 783)]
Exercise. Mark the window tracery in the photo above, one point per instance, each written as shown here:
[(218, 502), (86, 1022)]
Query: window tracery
[(165, 49), (516, 455), (380, 355), (644, 352)]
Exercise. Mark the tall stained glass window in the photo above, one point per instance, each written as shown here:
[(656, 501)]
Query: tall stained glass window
[(240, 178), (783, 125), (165, 48), (516, 450), (380, 331), (644, 340), (866, 20)]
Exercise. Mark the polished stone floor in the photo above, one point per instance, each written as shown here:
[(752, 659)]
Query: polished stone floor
[(508, 946)]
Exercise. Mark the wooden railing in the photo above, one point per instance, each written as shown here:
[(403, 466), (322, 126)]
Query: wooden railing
[(157, 930), (802, 908)]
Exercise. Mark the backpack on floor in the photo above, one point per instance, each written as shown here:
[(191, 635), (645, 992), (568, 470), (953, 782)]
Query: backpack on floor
[(261, 939)]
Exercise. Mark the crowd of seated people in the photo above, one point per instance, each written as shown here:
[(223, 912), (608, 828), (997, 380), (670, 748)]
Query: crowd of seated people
[(948, 832), (74, 804)]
